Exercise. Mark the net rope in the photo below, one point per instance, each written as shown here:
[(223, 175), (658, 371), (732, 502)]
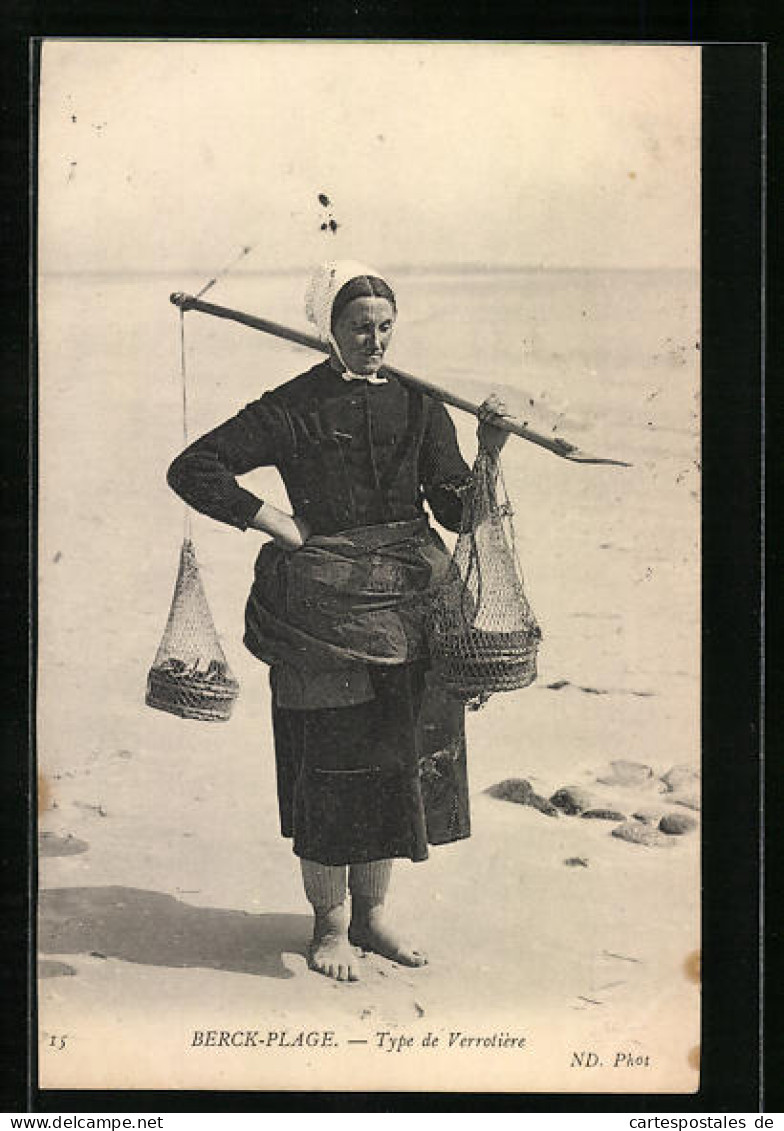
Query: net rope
[(190, 675), (483, 635)]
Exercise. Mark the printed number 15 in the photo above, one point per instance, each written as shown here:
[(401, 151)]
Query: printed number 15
[(56, 1042)]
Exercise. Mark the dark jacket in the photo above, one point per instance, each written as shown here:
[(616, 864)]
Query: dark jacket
[(350, 454), (354, 457)]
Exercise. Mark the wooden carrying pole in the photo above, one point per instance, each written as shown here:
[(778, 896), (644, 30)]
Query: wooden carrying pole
[(558, 446)]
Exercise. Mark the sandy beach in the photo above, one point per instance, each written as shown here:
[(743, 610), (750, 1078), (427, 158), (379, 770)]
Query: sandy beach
[(562, 958)]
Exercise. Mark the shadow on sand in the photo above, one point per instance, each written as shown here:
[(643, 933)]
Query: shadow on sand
[(155, 929), (49, 844), (48, 968)]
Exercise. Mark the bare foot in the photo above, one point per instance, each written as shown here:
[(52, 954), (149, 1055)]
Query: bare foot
[(330, 952), (369, 932)]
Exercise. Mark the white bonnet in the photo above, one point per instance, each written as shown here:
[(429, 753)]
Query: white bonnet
[(323, 288)]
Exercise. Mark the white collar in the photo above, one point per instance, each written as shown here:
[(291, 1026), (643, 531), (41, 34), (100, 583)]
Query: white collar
[(371, 378)]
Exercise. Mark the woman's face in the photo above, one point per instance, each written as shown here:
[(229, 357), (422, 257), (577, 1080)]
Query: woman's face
[(362, 331)]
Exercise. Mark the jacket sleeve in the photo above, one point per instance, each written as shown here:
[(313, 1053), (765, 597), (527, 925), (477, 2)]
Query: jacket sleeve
[(443, 473), (204, 475)]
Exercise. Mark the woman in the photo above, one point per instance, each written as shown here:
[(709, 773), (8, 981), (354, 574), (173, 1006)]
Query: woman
[(370, 758)]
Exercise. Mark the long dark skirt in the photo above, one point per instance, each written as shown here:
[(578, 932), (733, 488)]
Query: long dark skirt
[(382, 779)]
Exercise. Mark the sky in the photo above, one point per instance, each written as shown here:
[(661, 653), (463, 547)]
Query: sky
[(174, 155)]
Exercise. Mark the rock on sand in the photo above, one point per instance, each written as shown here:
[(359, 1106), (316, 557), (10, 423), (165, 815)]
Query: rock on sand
[(604, 815), (628, 775), (648, 816), (521, 792), (682, 779), (536, 801), (637, 833), (571, 799), (518, 790), (676, 824)]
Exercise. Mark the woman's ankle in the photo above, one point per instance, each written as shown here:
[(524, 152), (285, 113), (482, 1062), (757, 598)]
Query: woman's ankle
[(366, 911), (332, 921)]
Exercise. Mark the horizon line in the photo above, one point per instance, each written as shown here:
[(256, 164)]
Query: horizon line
[(393, 269)]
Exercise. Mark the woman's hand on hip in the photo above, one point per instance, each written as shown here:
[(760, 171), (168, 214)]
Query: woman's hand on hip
[(288, 530), (492, 437)]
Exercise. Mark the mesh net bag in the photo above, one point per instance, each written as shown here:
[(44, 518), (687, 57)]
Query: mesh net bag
[(483, 635), (190, 675)]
